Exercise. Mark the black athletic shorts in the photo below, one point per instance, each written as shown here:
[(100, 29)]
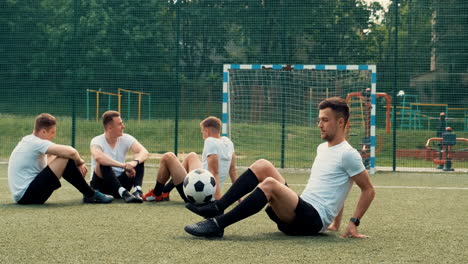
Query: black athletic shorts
[(41, 188), (306, 223)]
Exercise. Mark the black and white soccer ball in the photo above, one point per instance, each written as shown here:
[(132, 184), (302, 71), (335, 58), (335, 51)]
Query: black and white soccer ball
[(199, 186)]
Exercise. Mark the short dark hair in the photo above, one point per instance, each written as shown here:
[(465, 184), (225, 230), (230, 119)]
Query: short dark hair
[(45, 121), (108, 117), (338, 105), (212, 122)]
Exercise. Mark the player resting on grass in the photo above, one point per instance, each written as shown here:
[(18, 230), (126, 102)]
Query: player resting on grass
[(36, 166), (336, 166), (111, 174), (218, 157)]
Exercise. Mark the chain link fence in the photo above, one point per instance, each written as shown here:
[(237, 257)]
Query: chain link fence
[(160, 63)]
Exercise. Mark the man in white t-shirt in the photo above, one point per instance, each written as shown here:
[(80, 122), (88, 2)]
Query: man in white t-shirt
[(36, 166), (218, 157), (111, 174), (336, 166)]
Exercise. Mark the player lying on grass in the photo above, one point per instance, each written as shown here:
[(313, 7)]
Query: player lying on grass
[(218, 157), (336, 166), (111, 174), (36, 166)]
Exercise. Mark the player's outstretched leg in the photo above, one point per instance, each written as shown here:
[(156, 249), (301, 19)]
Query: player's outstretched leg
[(242, 186), (214, 227), (169, 168), (73, 175)]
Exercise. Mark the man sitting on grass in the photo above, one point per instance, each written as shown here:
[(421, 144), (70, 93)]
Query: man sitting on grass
[(111, 174), (36, 166), (218, 157), (336, 166)]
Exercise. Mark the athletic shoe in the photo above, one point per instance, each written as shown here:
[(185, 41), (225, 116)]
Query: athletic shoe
[(208, 228), (207, 210), (138, 194), (130, 198), (98, 197), (151, 197)]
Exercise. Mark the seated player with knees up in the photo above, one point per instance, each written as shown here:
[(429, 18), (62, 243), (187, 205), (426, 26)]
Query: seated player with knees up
[(36, 166), (336, 167), (218, 157), (111, 174)]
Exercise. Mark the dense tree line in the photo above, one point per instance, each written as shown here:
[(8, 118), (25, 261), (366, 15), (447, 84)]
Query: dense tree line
[(147, 45)]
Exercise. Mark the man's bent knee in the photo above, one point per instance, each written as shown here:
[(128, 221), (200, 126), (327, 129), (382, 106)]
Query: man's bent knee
[(269, 184), (261, 164), (191, 155), (168, 156)]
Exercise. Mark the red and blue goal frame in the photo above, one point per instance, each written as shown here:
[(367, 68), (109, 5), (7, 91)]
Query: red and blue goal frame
[(226, 123)]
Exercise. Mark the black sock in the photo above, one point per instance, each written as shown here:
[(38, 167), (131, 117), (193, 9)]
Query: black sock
[(73, 175), (110, 179), (242, 186), (140, 172), (168, 187), (180, 189), (251, 205), (158, 188)]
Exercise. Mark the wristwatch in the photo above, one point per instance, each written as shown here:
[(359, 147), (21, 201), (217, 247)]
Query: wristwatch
[(355, 221), (138, 162)]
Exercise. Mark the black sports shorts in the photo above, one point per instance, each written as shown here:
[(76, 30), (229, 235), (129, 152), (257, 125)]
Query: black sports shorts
[(306, 223), (41, 188)]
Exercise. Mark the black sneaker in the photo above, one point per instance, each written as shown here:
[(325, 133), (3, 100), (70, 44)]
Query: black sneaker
[(98, 197), (130, 198), (138, 194), (207, 210), (208, 228)]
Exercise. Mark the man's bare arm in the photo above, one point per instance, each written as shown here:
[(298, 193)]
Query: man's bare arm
[(140, 154), (232, 169), (213, 167), (63, 151), (362, 180)]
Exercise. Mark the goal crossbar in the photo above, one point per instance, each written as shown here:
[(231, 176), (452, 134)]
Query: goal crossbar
[(226, 122)]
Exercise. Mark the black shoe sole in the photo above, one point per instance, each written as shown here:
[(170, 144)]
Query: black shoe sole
[(134, 200), (213, 236)]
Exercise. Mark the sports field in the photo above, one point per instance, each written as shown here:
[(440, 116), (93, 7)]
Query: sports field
[(415, 218)]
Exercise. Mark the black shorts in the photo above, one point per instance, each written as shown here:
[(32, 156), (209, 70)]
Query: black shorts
[(306, 223), (41, 188)]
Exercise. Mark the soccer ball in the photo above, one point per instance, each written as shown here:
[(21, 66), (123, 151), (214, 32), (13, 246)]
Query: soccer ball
[(199, 186)]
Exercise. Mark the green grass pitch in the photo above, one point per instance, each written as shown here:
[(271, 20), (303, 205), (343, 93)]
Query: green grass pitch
[(415, 218)]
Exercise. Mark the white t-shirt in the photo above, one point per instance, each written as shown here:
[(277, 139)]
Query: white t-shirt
[(27, 160), (330, 179), (224, 148), (118, 153)]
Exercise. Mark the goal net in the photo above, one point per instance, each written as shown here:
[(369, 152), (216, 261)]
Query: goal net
[(275, 109)]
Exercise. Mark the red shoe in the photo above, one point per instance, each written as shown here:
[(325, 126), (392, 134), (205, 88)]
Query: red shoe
[(165, 196), (151, 197)]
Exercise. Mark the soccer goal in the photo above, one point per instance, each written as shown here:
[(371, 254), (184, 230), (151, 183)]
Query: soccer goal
[(270, 111)]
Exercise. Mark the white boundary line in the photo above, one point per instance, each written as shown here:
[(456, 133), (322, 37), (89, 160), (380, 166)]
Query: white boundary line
[(375, 186)]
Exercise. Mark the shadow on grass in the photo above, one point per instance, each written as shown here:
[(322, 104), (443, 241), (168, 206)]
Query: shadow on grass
[(331, 238)]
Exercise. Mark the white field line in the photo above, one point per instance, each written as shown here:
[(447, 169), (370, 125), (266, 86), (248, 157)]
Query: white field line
[(375, 186)]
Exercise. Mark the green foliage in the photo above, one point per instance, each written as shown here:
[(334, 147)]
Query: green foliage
[(52, 51)]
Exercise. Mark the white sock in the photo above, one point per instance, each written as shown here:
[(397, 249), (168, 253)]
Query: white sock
[(137, 188), (121, 191)]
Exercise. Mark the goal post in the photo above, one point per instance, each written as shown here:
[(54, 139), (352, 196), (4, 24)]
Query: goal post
[(273, 105)]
